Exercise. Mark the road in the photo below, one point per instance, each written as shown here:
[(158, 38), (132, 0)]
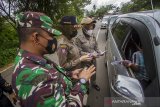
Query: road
[(95, 99)]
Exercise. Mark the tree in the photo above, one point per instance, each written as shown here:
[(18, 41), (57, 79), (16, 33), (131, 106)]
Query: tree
[(8, 42), (101, 11), (53, 8), (8, 8), (94, 7), (139, 5)]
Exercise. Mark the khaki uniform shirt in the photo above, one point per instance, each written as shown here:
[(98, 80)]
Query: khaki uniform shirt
[(68, 54), (87, 44)]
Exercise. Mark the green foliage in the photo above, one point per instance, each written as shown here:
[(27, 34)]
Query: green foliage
[(101, 11), (55, 9), (8, 43), (139, 5)]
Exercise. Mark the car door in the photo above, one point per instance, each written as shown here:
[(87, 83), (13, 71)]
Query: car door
[(121, 79), (146, 36)]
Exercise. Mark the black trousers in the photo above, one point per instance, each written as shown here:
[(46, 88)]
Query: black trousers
[(88, 64), (93, 78), (5, 102)]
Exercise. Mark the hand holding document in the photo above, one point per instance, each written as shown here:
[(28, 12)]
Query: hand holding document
[(124, 62), (102, 53)]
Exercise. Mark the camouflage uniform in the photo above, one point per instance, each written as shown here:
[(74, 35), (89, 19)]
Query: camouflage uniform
[(39, 82)]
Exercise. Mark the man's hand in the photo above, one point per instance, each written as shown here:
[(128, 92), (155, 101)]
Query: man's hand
[(13, 97), (75, 73), (87, 73), (85, 58), (102, 53), (126, 63), (95, 54)]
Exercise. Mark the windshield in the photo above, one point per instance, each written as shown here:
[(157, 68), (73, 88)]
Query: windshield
[(105, 19), (112, 20)]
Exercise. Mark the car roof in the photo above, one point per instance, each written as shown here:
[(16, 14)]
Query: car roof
[(155, 14), (106, 16), (114, 16)]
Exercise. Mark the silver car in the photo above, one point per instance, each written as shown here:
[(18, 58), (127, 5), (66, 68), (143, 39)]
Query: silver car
[(104, 22), (127, 31)]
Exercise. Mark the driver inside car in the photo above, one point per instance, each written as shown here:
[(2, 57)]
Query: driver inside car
[(138, 66)]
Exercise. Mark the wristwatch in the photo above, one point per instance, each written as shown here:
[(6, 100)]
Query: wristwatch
[(83, 81)]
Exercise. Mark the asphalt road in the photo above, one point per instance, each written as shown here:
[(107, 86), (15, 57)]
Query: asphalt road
[(95, 99)]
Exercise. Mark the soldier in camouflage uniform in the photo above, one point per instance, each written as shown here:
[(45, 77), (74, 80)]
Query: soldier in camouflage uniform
[(70, 57), (37, 81)]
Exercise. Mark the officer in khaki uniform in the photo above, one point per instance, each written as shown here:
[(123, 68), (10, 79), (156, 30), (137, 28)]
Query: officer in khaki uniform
[(70, 57), (87, 43)]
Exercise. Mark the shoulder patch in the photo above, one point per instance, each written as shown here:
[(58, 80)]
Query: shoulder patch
[(63, 46)]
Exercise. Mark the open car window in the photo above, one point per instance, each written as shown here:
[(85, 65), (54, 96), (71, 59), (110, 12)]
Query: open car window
[(129, 47), (120, 32)]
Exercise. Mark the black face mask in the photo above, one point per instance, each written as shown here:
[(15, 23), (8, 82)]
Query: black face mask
[(50, 44), (74, 33), (49, 48)]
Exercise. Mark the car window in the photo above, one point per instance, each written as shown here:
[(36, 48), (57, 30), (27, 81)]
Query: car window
[(129, 47), (120, 32)]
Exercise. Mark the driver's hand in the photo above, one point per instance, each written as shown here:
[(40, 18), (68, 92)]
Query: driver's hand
[(126, 63)]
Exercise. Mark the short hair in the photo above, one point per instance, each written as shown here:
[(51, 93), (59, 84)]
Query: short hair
[(24, 33)]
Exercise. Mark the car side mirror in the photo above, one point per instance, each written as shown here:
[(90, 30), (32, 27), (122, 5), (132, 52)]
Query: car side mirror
[(129, 87)]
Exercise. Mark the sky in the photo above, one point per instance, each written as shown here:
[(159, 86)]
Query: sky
[(100, 3)]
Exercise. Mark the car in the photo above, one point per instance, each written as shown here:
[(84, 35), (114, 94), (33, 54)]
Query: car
[(104, 22), (111, 19), (127, 31)]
